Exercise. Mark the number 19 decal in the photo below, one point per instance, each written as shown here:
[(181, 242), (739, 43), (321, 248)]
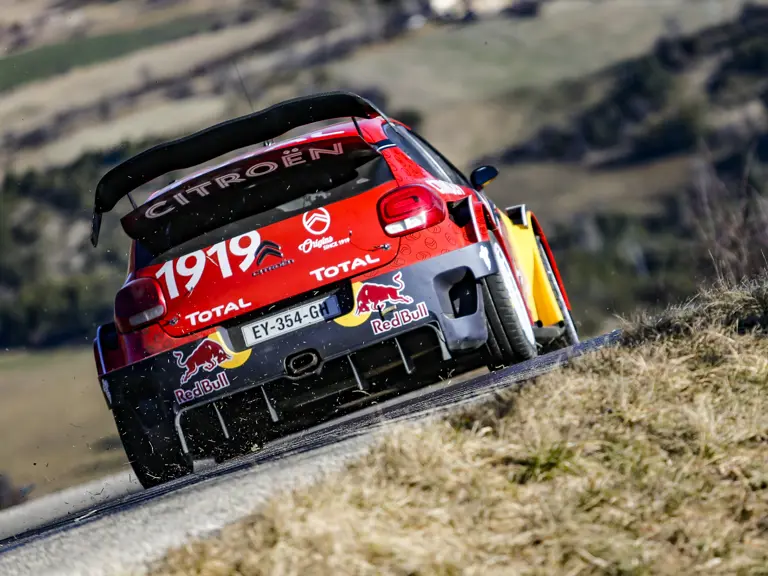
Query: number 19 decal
[(192, 265)]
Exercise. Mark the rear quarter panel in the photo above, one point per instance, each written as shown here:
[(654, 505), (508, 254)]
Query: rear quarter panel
[(436, 240), (107, 351)]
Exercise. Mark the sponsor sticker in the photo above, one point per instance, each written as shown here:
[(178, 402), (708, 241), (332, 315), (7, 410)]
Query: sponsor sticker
[(270, 268), (325, 243), (373, 296), (289, 158), (217, 312), (400, 318), (446, 188), (329, 272), (267, 248), (248, 248), (317, 221), (208, 355), (202, 388)]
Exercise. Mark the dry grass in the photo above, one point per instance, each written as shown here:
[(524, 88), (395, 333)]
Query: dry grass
[(733, 309), (650, 458)]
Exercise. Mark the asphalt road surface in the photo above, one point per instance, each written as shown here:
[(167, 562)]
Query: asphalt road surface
[(113, 526)]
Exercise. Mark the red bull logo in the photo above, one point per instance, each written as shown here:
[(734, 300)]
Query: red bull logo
[(207, 356), (400, 318), (372, 297), (202, 388)]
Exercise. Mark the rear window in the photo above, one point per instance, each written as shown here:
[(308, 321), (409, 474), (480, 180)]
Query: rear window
[(254, 193)]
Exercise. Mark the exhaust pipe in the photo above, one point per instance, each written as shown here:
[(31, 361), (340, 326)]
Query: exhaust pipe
[(302, 363)]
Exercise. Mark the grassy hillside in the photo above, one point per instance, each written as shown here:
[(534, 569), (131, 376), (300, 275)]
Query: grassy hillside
[(653, 171), (28, 25), (54, 287), (606, 158), (650, 458), (52, 59)]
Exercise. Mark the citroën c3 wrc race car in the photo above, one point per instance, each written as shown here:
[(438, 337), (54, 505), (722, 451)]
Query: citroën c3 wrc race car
[(305, 275)]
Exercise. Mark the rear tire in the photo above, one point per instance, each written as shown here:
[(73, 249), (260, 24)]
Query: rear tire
[(570, 336), (152, 464), (510, 333)]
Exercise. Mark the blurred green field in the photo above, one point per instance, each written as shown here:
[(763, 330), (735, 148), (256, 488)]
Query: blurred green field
[(40, 63), (55, 426)]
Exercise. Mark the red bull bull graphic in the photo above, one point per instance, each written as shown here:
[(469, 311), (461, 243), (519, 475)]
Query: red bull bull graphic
[(207, 356), (373, 297), (400, 318), (202, 388)]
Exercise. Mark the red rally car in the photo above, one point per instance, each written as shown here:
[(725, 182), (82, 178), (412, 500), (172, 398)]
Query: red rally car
[(303, 275)]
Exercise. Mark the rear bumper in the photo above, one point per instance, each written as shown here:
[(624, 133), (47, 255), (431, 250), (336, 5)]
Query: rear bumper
[(438, 295)]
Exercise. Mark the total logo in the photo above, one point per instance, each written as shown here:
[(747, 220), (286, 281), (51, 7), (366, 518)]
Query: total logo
[(328, 272), (218, 312), (316, 221)]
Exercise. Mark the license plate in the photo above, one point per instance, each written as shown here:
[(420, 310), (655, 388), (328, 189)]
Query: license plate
[(290, 320)]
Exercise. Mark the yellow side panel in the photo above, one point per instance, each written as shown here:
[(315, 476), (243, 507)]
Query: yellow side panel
[(539, 293)]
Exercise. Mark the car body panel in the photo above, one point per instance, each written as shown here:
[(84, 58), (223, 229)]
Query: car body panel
[(278, 288), (539, 232), (412, 296), (538, 291), (290, 265), (197, 354)]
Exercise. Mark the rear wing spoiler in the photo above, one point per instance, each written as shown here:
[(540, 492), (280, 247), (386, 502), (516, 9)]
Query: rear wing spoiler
[(220, 139)]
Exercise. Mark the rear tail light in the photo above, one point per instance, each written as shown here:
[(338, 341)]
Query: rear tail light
[(410, 208), (138, 303)]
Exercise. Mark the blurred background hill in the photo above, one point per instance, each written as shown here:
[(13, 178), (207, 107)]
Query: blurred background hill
[(637, 130), (595, 112)]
